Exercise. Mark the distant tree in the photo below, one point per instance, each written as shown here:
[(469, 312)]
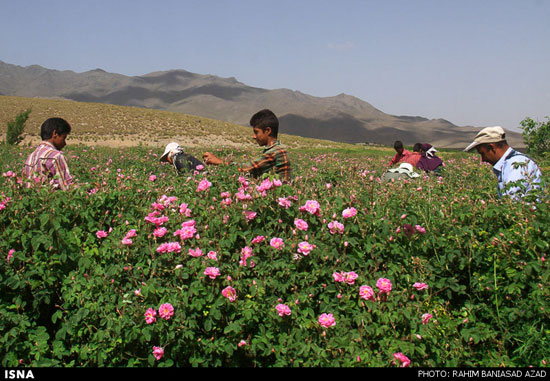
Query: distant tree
[(536, 135), (16, 127)]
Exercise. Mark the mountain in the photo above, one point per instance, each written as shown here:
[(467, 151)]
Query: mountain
[(341, 118)]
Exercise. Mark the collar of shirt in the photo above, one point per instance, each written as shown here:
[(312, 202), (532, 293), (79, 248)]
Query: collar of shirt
[(497, 168), (46, 143), (276, 143)]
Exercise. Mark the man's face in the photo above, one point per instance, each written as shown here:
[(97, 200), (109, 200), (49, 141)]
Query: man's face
[(261, 136), (59, 140), (488, 153)]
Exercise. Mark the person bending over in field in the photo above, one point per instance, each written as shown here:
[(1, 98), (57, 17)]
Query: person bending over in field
[(401, 154), (47, 162), (265, 127), (182, 162), (517, 174), (413, 158), (428, 161)]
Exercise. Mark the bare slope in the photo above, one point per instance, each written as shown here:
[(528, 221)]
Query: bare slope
[(113, 125)]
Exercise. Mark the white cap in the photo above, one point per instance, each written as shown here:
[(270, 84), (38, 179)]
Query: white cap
[(170, 147), (488, 135)]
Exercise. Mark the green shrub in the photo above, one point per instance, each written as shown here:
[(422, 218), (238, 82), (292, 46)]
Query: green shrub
[(16, 128), (71, 297)]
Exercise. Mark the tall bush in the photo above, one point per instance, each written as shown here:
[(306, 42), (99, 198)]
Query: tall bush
[(536, 135), (16, 127)]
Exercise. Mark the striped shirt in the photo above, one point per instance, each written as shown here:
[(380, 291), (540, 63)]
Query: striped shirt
[(519, 170), (47, 163), (273, 158)]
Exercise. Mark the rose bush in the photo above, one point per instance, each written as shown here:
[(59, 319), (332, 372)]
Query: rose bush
[(214, 269)]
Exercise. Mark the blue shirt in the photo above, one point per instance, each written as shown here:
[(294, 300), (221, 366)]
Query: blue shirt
[(514, 166)]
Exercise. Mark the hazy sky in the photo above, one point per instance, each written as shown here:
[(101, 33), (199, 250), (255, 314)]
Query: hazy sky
[(481, 63)]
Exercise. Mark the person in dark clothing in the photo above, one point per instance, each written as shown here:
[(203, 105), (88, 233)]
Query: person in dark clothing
[(429, 162), (183, 162)]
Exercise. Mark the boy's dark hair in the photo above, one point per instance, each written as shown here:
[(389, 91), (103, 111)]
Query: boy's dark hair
[(398, 145), (265, 118), (54, 124), (417, 147)]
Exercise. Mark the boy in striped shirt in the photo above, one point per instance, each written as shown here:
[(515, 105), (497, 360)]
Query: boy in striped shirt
[(47, 162), (265, 127)]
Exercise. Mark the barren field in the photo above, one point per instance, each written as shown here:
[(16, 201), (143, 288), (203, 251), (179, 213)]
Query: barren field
[(122, 126)]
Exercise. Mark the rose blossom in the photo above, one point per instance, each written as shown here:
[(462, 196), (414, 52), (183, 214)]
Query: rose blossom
[(166, 311), (158, 352), (101, 234), (336, 227), (305, 248), (350, 277), (212, 272), (258, 239), (230, 293), (160, 232), (420, 286), (150, 316), (426, 318), (283, 309), (203, 185), (366, 293), (277, 243), (300, 224), (312, 207), (10, 255), (195, 252), (327, 320), (349, 212), (402, 358), (384, 285)]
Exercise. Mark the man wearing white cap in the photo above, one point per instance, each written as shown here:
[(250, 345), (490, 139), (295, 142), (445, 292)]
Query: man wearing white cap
[(183, 162), (509, 165)]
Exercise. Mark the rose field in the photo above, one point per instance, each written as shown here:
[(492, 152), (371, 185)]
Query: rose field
[(140, 267)]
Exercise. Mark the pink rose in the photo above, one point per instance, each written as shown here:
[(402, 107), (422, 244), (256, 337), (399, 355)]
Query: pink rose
[(350, 277), (150, 316), (300, 224), (305, 248), (152, 178), (249, 215), (283, 309), (203, 185), (327, 320), (160, 232), (349, 212), (230, 293), (101, 234), (405, 362), (166, 311), (384, 285), (420, 286), (366, 293), (258, 239), (277, 243), (426, 318), (195, 252), (312, 207), (338, 277), (158, 352), (336, 227), (212, 272), (10, 255)]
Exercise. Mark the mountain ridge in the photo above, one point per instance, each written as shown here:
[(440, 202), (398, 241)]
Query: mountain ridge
[(341, 118)]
